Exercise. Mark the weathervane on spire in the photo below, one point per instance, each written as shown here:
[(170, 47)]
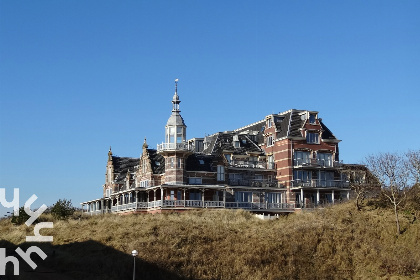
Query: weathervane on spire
[(176, 85)]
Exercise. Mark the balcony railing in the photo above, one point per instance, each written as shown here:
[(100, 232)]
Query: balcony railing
[(248, 164), (173, 147), (313, 162), (319, 184), (253, 183), (165, 204)]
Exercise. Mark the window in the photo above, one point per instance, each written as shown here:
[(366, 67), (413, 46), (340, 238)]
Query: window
[(228, 158), (144, 184), (171, 135), (220, 173), (236, 144), (253, 159), (302, 175), (195, 195), (326, 179), (273, 197), (108, 192), (312, 138), (269, 122), (179, 195), (312, 118), (172, 195), (324, 159), (172, 162), (195, 181), (269, 141), (179, 163), (243, 196), (301, 158), (179, 134), (270, 161)]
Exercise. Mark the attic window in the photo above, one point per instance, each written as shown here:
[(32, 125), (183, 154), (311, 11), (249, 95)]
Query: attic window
[(157, 163), (236, 144), (312, 118), (201, 161)]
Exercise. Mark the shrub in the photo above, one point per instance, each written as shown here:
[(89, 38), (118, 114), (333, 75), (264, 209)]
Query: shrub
[(22, 218), (62, 209)]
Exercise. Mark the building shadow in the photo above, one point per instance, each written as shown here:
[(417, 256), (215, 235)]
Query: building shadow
[(83, 260)]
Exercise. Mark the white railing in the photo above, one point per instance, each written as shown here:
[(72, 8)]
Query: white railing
[(248, 164), (173, 146), (201, 204), (313, 162), (320, 184)]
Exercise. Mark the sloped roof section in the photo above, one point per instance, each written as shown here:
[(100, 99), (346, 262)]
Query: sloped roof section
[(158, 161), (296, 123), (122, 165), (326, 133), (199, 162)]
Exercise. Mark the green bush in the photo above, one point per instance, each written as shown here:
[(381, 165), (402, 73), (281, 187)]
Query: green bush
[(22, 218), (62, 209)]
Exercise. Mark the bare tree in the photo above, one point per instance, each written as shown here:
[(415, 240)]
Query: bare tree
[(413, 165), (393, 175), (361, 181)]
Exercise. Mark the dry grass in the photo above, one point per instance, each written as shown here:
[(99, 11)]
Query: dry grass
[(333, 243)]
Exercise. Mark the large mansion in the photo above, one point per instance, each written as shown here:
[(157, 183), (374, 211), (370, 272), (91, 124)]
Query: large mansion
[(283, 162)]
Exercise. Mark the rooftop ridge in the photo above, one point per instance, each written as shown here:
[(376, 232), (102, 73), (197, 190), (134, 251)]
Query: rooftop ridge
[(249, 125)]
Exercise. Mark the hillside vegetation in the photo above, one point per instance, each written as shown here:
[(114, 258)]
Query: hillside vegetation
[(333, 243)]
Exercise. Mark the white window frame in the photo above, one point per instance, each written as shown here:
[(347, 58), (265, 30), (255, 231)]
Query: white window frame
[(270, 141), (312, 137), (195, 180), (220, 173)]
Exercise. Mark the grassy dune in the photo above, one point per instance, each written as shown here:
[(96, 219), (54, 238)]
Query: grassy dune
[(333, 243)]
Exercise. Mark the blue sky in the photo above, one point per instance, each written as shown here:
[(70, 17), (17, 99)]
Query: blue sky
[(79, 76)]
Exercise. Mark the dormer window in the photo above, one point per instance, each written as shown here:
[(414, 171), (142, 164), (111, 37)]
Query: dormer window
[(312, 138), (269, 123), (312, 118)]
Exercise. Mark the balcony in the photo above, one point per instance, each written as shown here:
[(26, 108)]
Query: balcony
[(319, 184), (316, 163), (253, 183), (173, 147), (248, 164)]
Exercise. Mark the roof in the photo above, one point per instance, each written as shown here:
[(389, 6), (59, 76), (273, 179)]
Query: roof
[(199, 162), (158, 161), (231, 141), (122, 165)]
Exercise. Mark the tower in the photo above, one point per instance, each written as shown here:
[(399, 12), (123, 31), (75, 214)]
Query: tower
[(175, 148)]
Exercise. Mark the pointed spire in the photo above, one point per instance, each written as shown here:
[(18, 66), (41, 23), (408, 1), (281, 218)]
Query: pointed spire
[(175, 99), (145, 146), (110, 154)]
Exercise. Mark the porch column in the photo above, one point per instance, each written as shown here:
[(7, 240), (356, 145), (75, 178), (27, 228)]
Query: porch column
[(317, 196), (137, 199), (184, 197), (202, 197), (161, 194), (118, 201), (301, 197), (348, 195), (224, 198), (332, 196), (154, 195)]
